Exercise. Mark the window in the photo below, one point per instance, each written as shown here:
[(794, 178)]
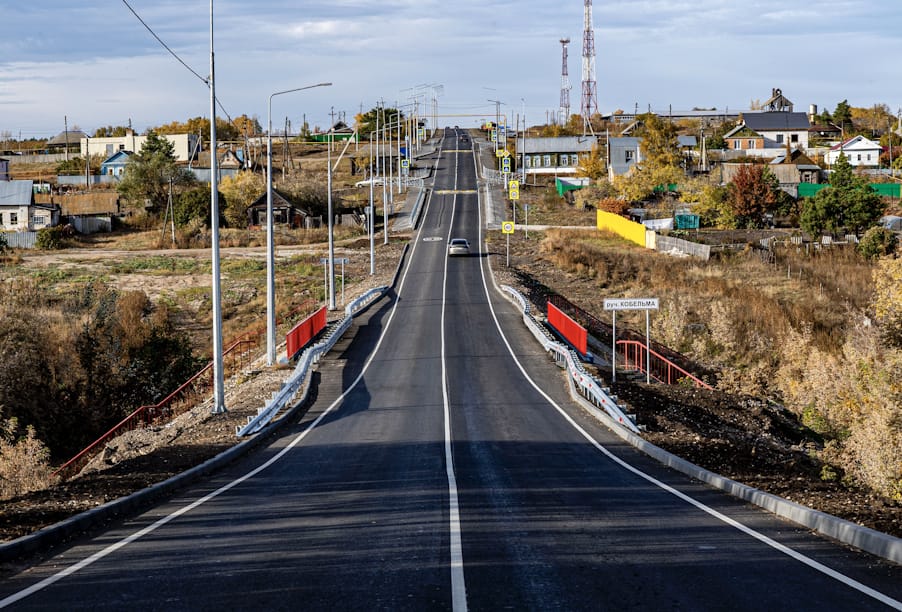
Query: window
[(859, 157), (39, 221), (779, 138), (546, 161), (529, 161), (628, 156), (794, 138), (751, 144), (14, 218)]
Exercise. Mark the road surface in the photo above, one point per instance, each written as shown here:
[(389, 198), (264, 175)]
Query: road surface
[(444, 466)]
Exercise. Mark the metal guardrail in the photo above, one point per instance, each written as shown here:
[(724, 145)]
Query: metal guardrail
[(586, 384), (308, 358)]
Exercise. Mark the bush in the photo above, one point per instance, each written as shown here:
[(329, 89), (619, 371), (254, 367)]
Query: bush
[(24, 461), (877, 242), (51, 238)]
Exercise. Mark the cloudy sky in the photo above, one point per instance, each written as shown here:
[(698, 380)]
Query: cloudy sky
[(94, 63)]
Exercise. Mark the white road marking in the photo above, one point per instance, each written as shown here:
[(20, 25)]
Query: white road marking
[(850, 582), (458, 584)]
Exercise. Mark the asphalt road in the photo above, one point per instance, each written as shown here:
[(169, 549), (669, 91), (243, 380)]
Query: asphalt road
[(438, 471)]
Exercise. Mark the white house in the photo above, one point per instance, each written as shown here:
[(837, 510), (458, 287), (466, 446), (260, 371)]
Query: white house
[(18, 212), (860, 151), (185, 145)]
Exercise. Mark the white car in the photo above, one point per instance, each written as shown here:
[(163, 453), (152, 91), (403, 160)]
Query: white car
[(458, 246)]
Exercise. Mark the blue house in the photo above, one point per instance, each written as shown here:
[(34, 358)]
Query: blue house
[(115, 164)]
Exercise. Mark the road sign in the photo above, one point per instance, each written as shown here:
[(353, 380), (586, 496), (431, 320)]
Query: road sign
[(505, 165), (514, 194), (513, 184), (507, 227), (631, 304), (405, 163), (338, 260), (494, 135)]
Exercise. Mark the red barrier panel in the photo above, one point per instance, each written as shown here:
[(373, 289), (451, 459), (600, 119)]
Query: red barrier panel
[(572, 331), (305, 331)]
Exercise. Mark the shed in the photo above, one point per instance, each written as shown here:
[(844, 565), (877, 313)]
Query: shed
[(283, 212)]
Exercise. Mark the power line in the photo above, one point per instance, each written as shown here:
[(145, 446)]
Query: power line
[(206, 81), (165, 46)]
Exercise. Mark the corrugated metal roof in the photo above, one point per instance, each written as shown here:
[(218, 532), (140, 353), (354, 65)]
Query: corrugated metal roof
[(563, 144), (16, 193)]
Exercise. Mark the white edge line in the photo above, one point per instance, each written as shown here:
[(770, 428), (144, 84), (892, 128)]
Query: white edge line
[(850, 582)]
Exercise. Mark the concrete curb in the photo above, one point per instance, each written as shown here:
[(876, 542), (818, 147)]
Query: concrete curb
[(869, 540)]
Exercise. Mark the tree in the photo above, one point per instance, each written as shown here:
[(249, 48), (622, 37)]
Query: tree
[(240, 191), (111, 132), (753, 193), (148, 174), (713, 207), (659, 141), (877, 242), (592, 166), (842, 116), (366, 122), (192, 205), (888, 299), (849, 202), (660, 165), (201, 125)]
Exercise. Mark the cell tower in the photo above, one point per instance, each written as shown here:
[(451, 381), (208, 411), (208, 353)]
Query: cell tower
[(565, 83), (589, 104)]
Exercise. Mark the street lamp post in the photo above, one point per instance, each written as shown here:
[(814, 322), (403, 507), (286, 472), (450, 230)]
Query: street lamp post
[(372, 212), (218, 371), (270, 240)]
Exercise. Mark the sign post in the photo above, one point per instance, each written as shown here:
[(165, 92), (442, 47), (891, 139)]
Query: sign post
[(614, 305), (507, 228), (335, 260)]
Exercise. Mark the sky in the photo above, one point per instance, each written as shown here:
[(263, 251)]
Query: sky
[(93, 64)]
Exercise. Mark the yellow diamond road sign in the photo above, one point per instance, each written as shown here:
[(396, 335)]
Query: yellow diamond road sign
[(507, 227)]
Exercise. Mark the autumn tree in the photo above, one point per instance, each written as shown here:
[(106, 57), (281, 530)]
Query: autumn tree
[(660, 164), (888, 299), (593, 165), (150, 172), (201, 125), (753, 194), (240, 191), (659, 141), (111, 132)]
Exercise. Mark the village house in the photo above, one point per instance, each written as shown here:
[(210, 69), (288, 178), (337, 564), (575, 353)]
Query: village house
[(185, 145), (18, 211), (860, 151), (556, 156)]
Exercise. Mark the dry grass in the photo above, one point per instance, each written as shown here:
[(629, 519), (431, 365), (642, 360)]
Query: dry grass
[(796, 331)]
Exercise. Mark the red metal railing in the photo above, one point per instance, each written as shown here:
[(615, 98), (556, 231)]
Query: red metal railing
[(237, 355), (634, 357)]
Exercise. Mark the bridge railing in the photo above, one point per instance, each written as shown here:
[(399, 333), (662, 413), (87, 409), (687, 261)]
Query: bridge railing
[(634, 356), (237, 355)]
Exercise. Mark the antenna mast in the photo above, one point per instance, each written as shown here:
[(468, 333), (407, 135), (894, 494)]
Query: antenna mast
[(565, 83), (589, 105)]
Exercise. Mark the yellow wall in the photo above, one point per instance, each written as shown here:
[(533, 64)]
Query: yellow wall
[(632, 231)]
